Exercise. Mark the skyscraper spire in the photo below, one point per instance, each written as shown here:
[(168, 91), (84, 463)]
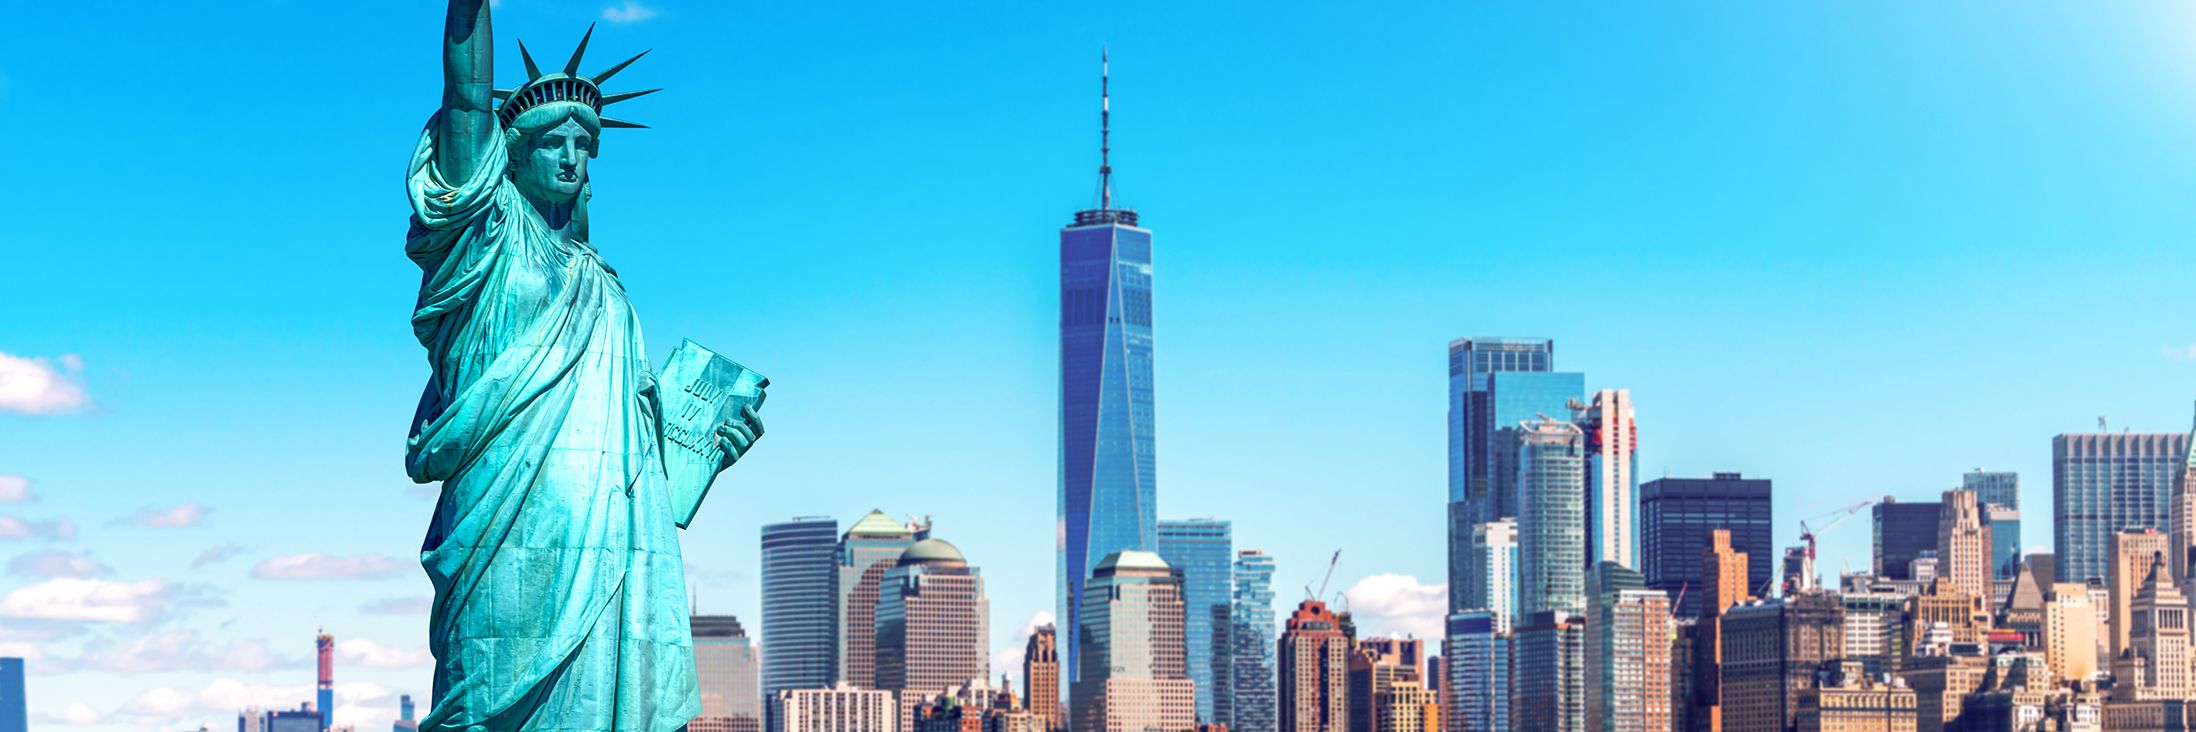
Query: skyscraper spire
[(1105, 132)]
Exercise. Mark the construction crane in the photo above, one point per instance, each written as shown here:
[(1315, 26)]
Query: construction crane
[(1314, 596), (1807, 562)]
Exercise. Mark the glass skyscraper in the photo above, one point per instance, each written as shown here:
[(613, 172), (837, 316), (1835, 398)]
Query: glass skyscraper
[(1108, 493), (724, 669), (1253, 639), (2000, 494), (1476, 659), (2103, 483), (866, 552), (1551, 526), (1675, 518), (14, 712), (1203, 552), (1494, 384), (799, 621)]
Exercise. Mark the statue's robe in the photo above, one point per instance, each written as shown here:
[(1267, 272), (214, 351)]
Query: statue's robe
[(559, 602)]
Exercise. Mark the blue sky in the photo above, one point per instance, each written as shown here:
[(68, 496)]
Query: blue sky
[(1857, 248)]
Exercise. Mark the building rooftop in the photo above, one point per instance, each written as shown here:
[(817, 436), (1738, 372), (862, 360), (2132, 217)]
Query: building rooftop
[(932, 551), (1131, 559), (877, 524)]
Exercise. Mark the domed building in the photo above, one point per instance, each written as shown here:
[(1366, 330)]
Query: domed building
[(933, 625)]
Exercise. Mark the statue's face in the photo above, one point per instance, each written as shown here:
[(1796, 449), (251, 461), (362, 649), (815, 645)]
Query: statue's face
[(553, 163)]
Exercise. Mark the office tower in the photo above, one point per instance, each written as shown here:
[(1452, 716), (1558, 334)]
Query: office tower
[(1254, 641), (1041, 677), (302, 719), (1314, 671), (1850, 700), (2004, 525), (1725, 577), (1203, 550), (14, 706), (1133, 674), (1548, 676), (1771, 650), (1612, 478), (1551, 517), (841, 708), (1406, 706), (933, 623), (2001, 488), (866, 552), (1875, 630), (1900, 532), (1494, 384), (1627, 652), (799, 619), (2070, 633), (324, 647), (1963, 545), (725, 671), (1676, 516), (2134, 553), (1493, 560), (1476, 663), (2102, 484), (1942, 681), (1375, 665), (1108, 490), (2155, 662), (406, 722)]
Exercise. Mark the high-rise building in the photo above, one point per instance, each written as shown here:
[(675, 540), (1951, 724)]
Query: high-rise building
[(1549, 674), (324, 647), (1203, 551), (1314, 671), (1134, 676), (405, 722), (800, 621), (1551, 517), (1627, 652), (1942, 680), (1494, 384), (1725, 580), (2070, 633), (933, 624), (1942, 615), (1406, 706), (2155, 662), (1850, 700), (2106, 483), (1253, 637), (2001, 489), (1677, 516), (1376, 665), (1475, 658), (14, 707), (1963, 545), (1041, 677), (1494, 561), (2181, 518), (867, 550), (1771, 650), (1108, 483), (1875, 630), (841, 708), (2134, 553), (724, 666), (1612, 478), (1900, 533)]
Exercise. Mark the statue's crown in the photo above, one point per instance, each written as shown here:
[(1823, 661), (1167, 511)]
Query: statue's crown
[(565, 86)]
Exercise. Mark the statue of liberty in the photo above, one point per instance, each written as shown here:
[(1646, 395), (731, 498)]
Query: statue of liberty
[(559, 592)]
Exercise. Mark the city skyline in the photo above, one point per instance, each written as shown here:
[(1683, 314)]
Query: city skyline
[(237, 455)]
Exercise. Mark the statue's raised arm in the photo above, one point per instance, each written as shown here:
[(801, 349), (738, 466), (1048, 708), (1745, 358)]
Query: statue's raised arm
[(468, 103)]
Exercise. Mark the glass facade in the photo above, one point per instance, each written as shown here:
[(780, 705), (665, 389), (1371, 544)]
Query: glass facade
[(1108, 493), (1134, 675), (1551, 524), (1253, 640), (1494, 561), (2102, 483), (1475, 661), (1550, 674), (866, 552), (933, 625), (1203, 552), (1675, 518), (799, 617), (1900, 532), (1494, 383), (2002, 489), (724, 666), (14, 711), (1612, 482)]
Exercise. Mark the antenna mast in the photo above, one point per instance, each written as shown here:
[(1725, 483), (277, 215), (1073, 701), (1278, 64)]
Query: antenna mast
[(1105, 132)]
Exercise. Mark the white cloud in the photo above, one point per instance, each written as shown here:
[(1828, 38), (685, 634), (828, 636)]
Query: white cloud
[(631, 12), (55, 563), (216, 554), (315, 565), (15, 489), (2180, 353), (1396, 604), (397, 606), (58, 529), (77, 714), (363, 652), (182, 516), (174, 650), (25, 651), (32, 386), (98, 601), (1008, 660)]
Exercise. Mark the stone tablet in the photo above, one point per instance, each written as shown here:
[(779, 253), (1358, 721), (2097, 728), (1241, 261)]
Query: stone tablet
[(700, 390)]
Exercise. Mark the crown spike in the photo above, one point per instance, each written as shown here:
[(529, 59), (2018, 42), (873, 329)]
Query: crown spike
[(609, 99), (532, 72), (609, 123), (503, 93), (605, 76), (572, 67)]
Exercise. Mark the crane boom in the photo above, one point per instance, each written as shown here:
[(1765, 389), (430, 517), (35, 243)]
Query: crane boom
[(1324, 580), (1807, 562)]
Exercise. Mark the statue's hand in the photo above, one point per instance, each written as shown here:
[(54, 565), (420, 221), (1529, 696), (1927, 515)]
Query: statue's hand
[(739, 434)]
